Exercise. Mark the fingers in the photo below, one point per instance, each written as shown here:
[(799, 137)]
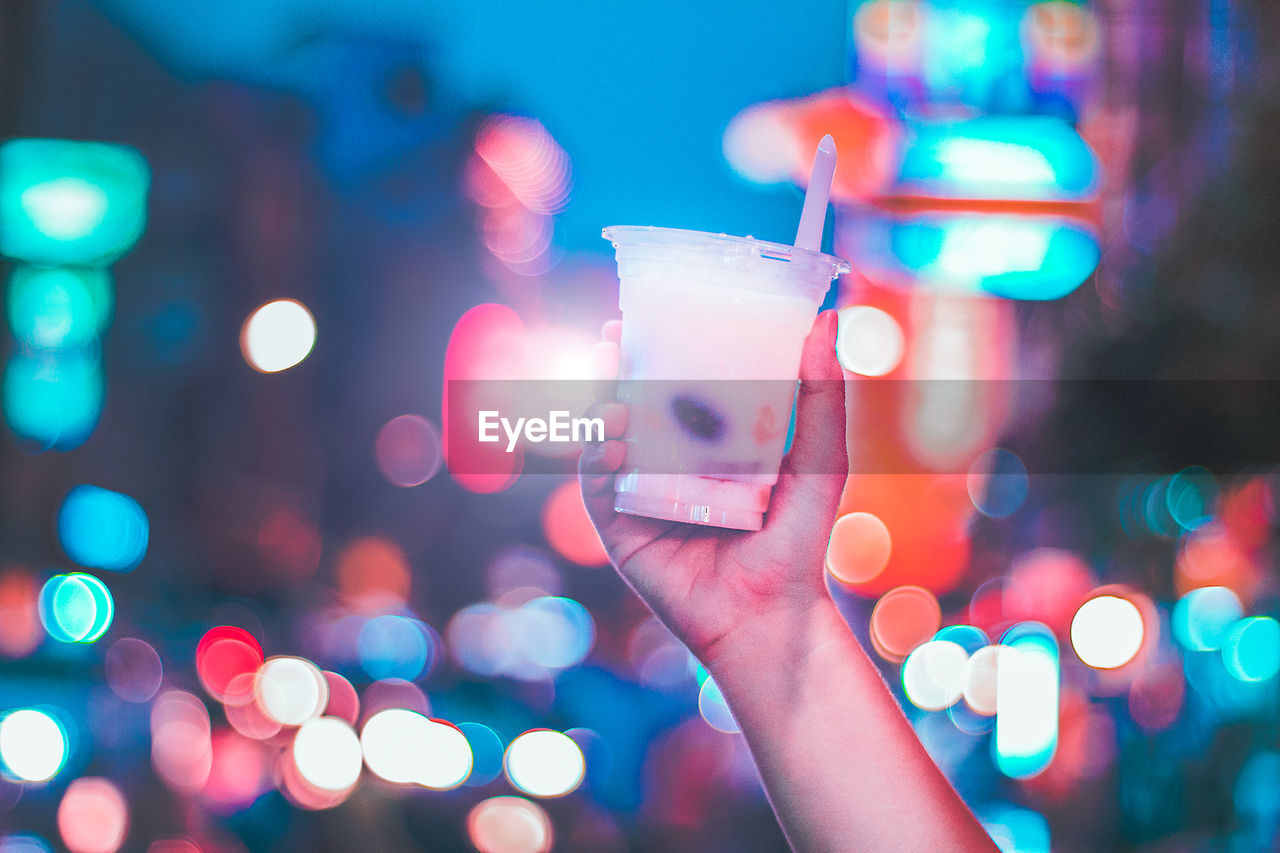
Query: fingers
[(606, 358), (814, 472), (611, 331)]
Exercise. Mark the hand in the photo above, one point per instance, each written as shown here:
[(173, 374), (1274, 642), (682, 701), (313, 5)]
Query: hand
[(703, 582)]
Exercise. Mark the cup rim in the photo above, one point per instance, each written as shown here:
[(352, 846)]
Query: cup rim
[(746, 246)]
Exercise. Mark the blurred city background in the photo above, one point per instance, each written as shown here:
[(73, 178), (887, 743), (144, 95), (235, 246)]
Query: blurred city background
[(244, 605)]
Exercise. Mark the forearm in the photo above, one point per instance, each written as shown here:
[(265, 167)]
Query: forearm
[(842, 767)]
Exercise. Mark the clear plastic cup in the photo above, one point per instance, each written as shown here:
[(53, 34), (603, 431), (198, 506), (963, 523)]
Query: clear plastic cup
[(712, 331)]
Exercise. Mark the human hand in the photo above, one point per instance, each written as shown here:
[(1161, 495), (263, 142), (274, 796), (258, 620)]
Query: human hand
[(706, 583)]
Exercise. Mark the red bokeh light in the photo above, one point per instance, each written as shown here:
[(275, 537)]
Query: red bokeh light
[(568, 528), (223, 653)]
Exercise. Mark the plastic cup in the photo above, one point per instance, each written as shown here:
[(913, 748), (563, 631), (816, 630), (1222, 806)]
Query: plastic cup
[(712, 331)]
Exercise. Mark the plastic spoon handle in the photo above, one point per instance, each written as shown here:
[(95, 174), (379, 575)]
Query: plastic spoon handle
[(814, 215)]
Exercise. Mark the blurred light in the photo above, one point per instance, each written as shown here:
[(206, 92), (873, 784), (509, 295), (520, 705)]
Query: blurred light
[(103, 529), (1251, 650), (714, 709), (967, 637), (23, 842), (1190, 496), (1107, 632), (1047, 585), (76, 608), (343, 702), (760, 147), (1001, 157), (997, 483), (657, 657), (408, 450), (237, 771), (859, 548), (1026, 701), (407, 748), (20, 628), (54, 307), (554, 632), (181, 745), (223, 656), (93, 816), (522, 566), (486, 753), (544, 763), (933, 675), (481, 639), (394, 693), (373, 573), (327, 753), (172, 845), (394, 647), (1156, 696), (54, 398), (902, 619), (869, 341), (133, 669), (291, 690), (1203, 617), (527, 160), (277, 336), (980, 688), (1017, 830), (243, 713), (1210, 556), (63, 201), (568, 528), (509, 825), (33, 745)]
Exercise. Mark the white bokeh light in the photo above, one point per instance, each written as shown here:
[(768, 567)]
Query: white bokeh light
[(33, 746), (509, 825), (291, 690), (869, 341), (327, 753), (980, 680), (933, 674), (543, 763), (1107, 631), (405, 747), (278, 336)]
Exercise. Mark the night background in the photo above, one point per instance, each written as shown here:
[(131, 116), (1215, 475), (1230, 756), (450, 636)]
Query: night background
[(244, 605)]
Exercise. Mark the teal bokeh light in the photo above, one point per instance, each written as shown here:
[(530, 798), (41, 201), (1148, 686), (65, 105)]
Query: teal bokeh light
[(76, 608), (68, 202), (1251, 651), (103, 529), (1203, 617), (53, 398), (58, 307)]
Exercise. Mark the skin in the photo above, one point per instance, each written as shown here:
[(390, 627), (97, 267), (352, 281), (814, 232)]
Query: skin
[(841, 765)]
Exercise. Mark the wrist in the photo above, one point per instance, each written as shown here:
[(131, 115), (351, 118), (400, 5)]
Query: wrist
[(785, 639)]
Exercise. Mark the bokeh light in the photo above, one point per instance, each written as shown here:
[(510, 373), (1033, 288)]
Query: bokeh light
[(238, 771), (93, 816), (554, 632), (544, 763), (20, 627), (55, 307), (980, 687), (373, 573), (394, 647), (405, 747), (133, 669), (24, 842), (902, 619), (327, 753), (509, 825), (933, 675), (714, 709), (859, 548), (1107, 631), (1027, 708), (225, 655), (997, 483), (33, 744), (291, 690), (408, 450), (103, 529), (869, 341), (76, 608), (181, 742), (568, 528), (53, 398), (1203, 617), (486, 753), (277, 336), (344, 702), (1251, 650)]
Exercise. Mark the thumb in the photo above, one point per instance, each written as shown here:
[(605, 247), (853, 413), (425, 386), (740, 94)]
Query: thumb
[(814, 472)]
